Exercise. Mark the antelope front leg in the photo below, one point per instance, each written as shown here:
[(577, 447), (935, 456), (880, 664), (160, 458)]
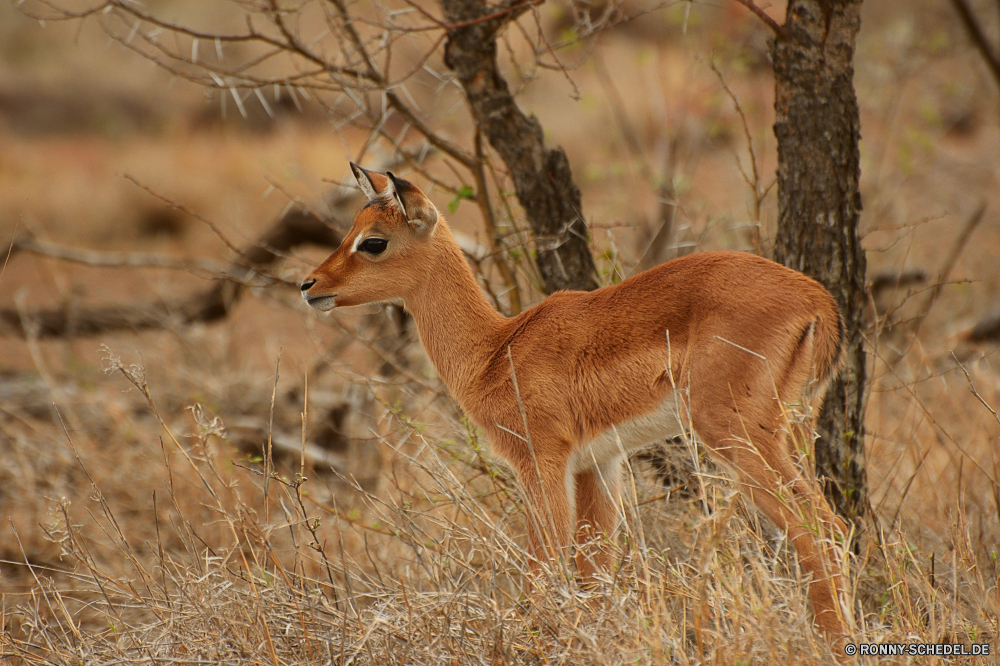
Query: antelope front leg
[(597, 517), (548, 509)]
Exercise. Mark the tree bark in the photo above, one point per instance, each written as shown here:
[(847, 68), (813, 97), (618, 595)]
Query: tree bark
[(542, 177), (818, 129)]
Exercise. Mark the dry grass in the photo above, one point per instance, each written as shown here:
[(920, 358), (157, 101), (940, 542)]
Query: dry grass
[(187, 562), (138, 528)]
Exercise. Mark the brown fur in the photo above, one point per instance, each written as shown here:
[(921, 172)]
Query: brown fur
[(728, 336)]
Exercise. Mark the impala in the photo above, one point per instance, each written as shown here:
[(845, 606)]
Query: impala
[(720, 341)]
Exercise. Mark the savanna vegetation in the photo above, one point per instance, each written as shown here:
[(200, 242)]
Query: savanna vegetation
[(196, 468)]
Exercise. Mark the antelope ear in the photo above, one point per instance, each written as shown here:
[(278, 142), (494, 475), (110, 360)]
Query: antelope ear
[(364, 178), (418, 209), (391, 194)]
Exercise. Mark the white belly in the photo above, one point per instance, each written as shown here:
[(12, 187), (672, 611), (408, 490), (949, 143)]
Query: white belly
[(646, 430)]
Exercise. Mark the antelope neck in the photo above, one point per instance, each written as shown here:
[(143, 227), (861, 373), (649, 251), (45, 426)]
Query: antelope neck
[(458, 327)]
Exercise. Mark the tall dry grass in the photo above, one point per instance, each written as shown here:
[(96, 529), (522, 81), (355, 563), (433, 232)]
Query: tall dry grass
[(204, 555)]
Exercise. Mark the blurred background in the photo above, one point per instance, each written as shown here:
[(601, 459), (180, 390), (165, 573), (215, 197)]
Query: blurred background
[(103, 150)]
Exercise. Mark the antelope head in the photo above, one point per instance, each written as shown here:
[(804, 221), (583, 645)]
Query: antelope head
[(385, 255)]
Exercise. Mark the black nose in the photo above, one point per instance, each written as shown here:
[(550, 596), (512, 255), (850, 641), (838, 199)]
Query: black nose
[(307, 284)]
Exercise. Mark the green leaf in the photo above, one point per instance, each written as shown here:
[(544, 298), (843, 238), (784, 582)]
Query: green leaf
[(464, 192)]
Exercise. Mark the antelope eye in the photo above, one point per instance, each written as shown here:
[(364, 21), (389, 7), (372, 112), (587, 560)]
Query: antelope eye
[(373, 245)]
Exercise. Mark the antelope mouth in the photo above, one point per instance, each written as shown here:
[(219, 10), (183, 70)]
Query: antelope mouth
[(323, 303)]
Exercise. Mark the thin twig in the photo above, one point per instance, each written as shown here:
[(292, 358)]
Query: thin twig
[(184, 209), (489, 220), (10, 249), (949, 264), (972, 387), (758, 193)]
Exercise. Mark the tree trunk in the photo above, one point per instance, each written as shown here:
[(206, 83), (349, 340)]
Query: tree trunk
[(542, 177), (818, 128)]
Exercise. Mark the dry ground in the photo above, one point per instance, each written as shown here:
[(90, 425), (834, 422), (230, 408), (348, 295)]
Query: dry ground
[(149, 528)]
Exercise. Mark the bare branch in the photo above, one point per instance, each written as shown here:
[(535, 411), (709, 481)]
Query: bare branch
[(61, 14), (356, 40), (439, 142), (758, 192), (975, 31), (115, 259), (956, 251), (972, 388), (184, 209), (295, 228), (763, 16), (397, 104), (67, 321)]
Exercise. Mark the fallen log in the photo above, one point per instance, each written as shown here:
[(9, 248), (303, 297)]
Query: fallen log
[(296, 227)]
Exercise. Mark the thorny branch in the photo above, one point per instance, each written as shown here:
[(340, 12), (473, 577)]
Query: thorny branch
[(348, 70)]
